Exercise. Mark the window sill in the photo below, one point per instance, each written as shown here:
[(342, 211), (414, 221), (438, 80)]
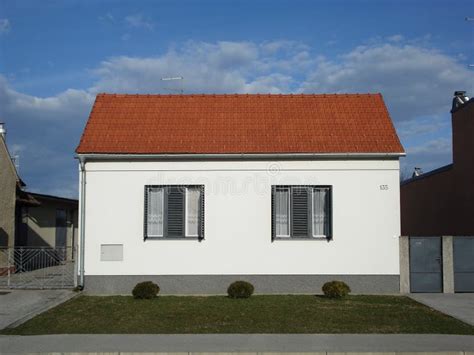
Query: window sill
[(302, 238), (173, 238)]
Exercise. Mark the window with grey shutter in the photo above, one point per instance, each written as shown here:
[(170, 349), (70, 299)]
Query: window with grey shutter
[(174, 211), (301, 211)]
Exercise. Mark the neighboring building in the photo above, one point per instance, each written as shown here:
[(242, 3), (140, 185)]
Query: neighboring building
[(30, 219), (197, 191), (437, 215), (9, 182), (12, 195), (12, 198), (50, 223)]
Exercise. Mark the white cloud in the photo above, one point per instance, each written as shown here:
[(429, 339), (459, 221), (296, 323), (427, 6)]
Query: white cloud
[(424, 125), (414, 80), (63, 106), (108, 17), (205, 67), (139, 21), (395, 38), (273, 84), (222, 67), (440, 145), (5, 26)]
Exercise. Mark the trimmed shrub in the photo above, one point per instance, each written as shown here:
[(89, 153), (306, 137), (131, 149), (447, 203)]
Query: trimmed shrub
[(145, 290), (240, 289), (336, 289)]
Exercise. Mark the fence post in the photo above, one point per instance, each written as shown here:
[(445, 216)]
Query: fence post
[(75, 265), (8, 267), (63, 264), (44, 262)]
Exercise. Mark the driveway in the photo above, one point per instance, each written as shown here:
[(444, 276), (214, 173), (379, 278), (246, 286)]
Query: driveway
[(17, 306), (457, 305)]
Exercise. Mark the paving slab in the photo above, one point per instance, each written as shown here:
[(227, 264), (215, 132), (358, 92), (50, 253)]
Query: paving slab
[(237, 343), (17, 306), (457, 305)]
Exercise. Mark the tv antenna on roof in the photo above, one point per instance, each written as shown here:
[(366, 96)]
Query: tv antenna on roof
[(469, 19), (173, 78)]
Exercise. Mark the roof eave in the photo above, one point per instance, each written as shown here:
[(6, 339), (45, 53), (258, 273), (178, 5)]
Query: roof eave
[(238, 156)]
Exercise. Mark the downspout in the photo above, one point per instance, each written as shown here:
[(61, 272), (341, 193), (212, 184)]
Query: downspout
[(82, 203)]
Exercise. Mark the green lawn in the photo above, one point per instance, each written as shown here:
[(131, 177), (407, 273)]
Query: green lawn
[(258, 314)]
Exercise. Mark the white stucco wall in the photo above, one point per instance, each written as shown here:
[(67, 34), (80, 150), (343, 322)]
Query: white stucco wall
[(366, 218)]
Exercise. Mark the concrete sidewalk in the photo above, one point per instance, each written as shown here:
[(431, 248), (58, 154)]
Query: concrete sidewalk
[(17, 306), (457, 305), (237, 343)]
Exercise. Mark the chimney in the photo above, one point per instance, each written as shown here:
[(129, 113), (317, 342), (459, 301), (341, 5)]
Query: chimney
[(462, 120), (417, 172), (3, 131), (459, 99)]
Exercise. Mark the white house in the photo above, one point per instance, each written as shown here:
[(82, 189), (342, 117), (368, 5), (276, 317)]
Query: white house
[(196, 191)]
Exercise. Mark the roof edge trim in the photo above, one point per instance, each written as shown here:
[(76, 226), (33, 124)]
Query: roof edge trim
[(243, 156)]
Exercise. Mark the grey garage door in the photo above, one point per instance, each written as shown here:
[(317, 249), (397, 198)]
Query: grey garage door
[(426, 264), (463, 254)]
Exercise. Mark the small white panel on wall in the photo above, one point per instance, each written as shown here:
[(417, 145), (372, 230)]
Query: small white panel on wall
[(111, 252)]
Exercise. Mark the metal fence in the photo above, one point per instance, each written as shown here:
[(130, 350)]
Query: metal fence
[(40, 268)]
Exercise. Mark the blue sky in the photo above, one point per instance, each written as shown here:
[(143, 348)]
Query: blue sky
[(56, 55)]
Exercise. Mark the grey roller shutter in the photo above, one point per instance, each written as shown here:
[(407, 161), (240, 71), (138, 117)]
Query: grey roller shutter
[(201, 212), (300, 202), (329, 197), (175, 211), (145, 215), (273, 213)]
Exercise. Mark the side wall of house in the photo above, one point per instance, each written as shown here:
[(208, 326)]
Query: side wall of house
[(238, 245), (7, 197)]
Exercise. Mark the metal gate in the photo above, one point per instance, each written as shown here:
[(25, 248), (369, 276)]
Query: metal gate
[(426, 271), (45, 267), (463, 254)]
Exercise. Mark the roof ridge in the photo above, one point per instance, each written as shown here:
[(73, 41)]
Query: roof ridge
[(105, 94)]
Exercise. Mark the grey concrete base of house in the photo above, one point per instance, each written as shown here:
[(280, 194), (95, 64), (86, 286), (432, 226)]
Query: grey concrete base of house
[(18, 306), (323, 343), (459, 305), (217, 284)]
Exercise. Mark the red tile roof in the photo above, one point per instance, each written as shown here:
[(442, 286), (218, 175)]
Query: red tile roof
[(217, 124)]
